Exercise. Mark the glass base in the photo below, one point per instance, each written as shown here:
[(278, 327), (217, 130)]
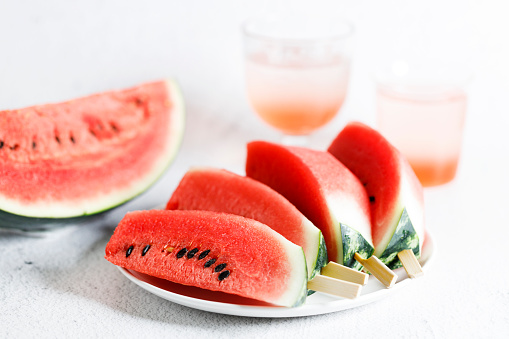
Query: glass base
[(434, 172)]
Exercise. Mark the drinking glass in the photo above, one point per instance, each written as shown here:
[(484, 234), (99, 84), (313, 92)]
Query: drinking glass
[(297, 70), (421, 111)]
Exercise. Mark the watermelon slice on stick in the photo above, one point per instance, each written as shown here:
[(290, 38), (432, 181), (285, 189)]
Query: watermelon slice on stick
[(395, 193), (59, 162), (209, 250), (223, 191), (324, 190)]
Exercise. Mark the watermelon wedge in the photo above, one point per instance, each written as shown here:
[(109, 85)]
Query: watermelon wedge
[(223, 191), (87, 155), (324, 190), (396, 195), (210, 250)]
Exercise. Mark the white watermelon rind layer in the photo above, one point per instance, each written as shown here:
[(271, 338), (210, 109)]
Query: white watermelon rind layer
[(104, 203), (345, 211), (321, 259), (296, 283), (315, 250), (406, 201)]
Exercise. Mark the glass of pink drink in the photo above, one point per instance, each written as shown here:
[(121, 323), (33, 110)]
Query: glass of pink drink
[(297, 71), (423, 116)]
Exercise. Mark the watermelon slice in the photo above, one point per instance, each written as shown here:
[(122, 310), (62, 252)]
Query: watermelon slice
[(214, 251), (223, 191), (396, 195), (324, 190), (87, 155)]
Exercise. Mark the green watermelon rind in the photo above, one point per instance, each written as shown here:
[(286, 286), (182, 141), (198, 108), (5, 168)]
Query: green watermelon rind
[(321, 258), (404, 238), (353, 242), (31, 223), (314, 248), (315, 251)]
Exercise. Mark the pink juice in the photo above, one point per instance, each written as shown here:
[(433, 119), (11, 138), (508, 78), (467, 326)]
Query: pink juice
[(298, 97), (426, 125)]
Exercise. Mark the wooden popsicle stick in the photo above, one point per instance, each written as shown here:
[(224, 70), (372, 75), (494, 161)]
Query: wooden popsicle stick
[(410, 263), (335, 270), (378, 269), (340, 288)]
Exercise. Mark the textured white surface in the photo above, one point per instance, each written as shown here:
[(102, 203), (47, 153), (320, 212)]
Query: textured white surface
[(59, 285)]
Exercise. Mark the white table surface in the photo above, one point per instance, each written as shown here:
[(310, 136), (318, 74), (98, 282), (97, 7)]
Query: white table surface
[(60, 285)]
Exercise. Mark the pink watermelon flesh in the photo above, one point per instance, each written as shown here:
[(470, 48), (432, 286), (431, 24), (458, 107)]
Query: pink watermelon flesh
[(325, 191), (87, 155), (214, 251), (223, 191), (388, 178)]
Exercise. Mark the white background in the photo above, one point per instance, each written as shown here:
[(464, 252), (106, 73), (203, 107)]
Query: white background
[(57, 50)]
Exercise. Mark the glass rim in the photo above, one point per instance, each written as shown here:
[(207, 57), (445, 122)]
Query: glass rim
[(250, 33), (451, 76)]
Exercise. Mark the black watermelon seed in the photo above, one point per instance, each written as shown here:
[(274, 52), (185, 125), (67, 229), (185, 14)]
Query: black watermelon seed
[(210, 262), (203, 254), (34, 145), (181, 253), (145, 250), (57, 138), (72, 139), (129, 251), (223, 275), (1, 144), (191, 253), (372, 199), (220, 267)]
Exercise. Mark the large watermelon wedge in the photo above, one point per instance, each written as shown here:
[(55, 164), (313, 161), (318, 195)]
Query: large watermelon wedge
[(223, 191), (324, 190), (87, 155), (396, 195), (214, 251)]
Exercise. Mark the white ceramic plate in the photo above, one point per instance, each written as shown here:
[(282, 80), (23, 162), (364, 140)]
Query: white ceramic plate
[(317, 303)]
